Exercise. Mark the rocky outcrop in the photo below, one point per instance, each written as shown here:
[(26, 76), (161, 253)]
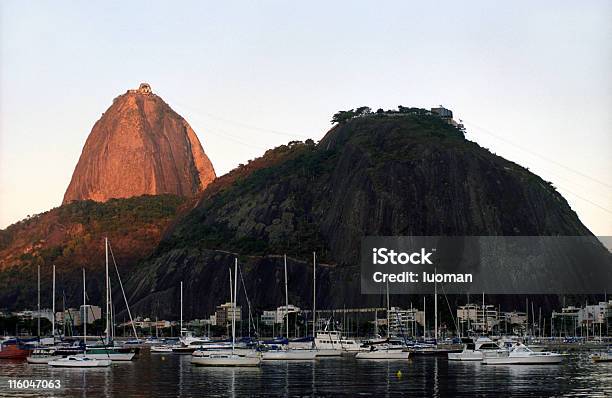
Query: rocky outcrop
[(140, 146), (375, 175)]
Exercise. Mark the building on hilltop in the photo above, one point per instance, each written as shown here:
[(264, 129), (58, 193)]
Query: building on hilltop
[(144, 88), (446, 115)]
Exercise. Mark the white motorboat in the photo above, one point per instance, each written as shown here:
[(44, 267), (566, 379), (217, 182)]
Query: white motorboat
[(161, 349), (188, 339), (380, 348), (383, 352), (333, 340), (289, 355), (41, 356), (477, 351), (79, 361), (522, 355), (198, 345)]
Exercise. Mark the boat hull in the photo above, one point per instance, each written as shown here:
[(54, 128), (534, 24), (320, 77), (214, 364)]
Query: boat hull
[(41, 360), (465, 356), (161, 350), (71, 363), (289, 355), (528, 360), (225, 351), (235, 361), (383, 354), (114, 356), (13, 351), (326, 352)]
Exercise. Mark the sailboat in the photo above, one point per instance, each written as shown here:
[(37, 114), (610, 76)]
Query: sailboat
[(223, 358), (84, 360), (384, 349), (42, 355), (285, 354), (431, 347), (108, 350), (327, 343)]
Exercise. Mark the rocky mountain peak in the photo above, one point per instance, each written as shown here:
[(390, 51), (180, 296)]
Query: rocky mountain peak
[(140, 146)]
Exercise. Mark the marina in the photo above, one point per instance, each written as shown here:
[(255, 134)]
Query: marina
[(422, 376)]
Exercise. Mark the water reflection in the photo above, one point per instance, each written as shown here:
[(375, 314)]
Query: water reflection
[(429, 376)]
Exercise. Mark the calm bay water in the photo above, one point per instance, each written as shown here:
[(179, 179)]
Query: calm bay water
[(173, 375)]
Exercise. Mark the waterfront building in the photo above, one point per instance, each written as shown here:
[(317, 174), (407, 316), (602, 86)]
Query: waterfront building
[(268, 318), (90, 313), (401, 321), (225, 312), (478, 319), (282, 311)]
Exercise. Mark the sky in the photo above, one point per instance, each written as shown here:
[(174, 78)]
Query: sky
[(530, 80)]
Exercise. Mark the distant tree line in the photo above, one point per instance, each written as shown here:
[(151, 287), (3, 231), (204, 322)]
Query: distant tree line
[(344, 116)]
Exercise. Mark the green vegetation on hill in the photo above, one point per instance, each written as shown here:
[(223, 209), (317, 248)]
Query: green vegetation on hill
[(72, 237), (281, 208), (293, 227)]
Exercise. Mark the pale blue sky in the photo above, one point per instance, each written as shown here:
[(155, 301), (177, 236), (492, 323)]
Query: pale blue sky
[(536, 74)]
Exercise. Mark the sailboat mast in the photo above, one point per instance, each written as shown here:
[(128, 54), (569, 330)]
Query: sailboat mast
[(435, 308), (84, 320), (108, 339), (111, 313), (286, 298), (39, 302), (388, 308), (53, 307), (64, 313), (314, 293), (181, 324), (424, 319), (233, 296)]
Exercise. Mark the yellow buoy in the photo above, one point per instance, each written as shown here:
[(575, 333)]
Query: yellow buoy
[(399, 374)]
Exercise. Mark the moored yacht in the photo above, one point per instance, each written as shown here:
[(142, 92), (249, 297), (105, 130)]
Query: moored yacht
[(333, 340), (522, 355), (477, 351), (212, 358), (14, 349), (224, 359), (79, 361), (288, 354), (163, 348), (388, 349), (42, 356), (189, 344), (111, 352)]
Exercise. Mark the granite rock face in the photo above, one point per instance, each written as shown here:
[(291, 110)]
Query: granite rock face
[(140, 146), (371, 176)]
